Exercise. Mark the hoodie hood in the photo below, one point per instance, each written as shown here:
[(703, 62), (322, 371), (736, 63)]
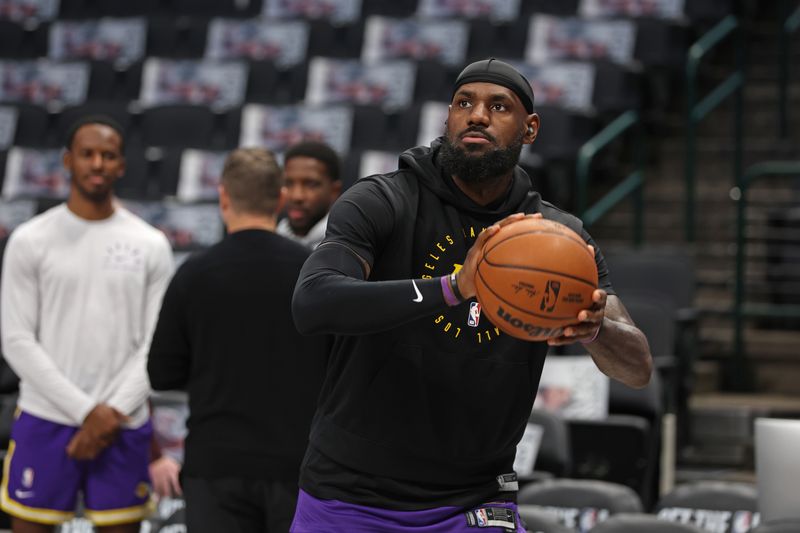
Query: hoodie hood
[(423, 161)]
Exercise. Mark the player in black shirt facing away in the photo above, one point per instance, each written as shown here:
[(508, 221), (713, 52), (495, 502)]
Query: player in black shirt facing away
[(226, 335), (421, 409)]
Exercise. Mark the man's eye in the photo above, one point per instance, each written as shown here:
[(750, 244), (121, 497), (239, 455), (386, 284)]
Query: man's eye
[(463, 103)]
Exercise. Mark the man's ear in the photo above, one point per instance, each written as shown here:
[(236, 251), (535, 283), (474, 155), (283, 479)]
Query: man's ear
[(224, 199), (531, 128), (281, 199)]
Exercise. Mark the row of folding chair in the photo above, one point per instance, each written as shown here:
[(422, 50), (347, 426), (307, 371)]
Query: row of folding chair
[(708, 9), (200, 127), (658, 42), (612, 87), (559, 505)]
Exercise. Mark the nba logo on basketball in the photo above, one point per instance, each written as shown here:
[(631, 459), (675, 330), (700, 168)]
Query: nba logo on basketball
[(474, 314)]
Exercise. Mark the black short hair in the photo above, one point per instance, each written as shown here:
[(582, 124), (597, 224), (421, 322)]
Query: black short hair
[(319, 151), (105, 120)]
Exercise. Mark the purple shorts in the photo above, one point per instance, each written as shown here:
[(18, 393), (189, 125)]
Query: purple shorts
[(41, 484), (313, 515)]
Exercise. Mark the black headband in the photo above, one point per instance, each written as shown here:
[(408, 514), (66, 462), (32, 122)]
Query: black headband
[(499, 73)]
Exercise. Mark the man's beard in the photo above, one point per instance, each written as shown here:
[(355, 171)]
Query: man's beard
[(479, 168), (94, 196)]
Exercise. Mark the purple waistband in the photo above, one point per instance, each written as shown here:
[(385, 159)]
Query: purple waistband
[(333, 516)]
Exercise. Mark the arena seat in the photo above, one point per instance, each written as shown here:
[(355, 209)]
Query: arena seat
[(327, 39), (33, 125), (711, 505), (176, 37), (778, 526), (369, 127), (107, 8), (118, 110), (166, 172), (639, 523), (580, 503), (395, 8), (537, 520), (632, 273), (217, 8), (135, 183), (490, 39), (434, 81), (554, 450), (566, 133), (622, 449), (269, 84), (12, 36), (178, 126)]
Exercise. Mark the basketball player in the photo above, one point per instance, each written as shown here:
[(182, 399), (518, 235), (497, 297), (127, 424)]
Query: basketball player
[(424, 400), (311, 175), (225, 334), (81, 288)]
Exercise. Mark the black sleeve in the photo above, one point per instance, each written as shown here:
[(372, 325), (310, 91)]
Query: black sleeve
[(168, 363), (604, 280), (332, 294)]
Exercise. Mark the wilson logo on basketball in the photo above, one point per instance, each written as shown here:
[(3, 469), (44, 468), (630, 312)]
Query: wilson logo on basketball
[(531, 330)]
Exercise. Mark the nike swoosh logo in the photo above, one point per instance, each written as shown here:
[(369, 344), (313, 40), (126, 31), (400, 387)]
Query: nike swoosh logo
[(419, 294), (23, 494)]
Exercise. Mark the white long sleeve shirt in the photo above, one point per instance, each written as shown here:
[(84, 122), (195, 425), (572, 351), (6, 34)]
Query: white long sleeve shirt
[(310, 239), (78, 304)]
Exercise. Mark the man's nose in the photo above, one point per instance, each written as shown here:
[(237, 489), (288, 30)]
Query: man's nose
[(479, 115)]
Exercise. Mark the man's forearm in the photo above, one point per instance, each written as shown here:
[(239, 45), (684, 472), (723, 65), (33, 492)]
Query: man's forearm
[(621, 352)]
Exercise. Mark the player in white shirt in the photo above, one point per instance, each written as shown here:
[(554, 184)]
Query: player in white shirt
[(81, 288)]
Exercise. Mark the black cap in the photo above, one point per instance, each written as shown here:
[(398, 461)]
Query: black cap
[(500, 73)]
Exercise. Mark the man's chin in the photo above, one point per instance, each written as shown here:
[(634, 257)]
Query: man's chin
[(96, 195), (299, 227)]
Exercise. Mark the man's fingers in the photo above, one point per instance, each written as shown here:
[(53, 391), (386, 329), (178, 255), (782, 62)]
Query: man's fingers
[(176, 486)]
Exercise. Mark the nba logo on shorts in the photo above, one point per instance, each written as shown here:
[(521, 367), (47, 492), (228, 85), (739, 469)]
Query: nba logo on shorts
[(474, 314), (27, 478), (480, 514)]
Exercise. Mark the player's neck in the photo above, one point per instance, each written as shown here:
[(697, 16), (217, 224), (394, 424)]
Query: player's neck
[(244, 221), (89, 209), (485, 193)]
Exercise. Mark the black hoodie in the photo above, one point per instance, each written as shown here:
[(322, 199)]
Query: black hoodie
[(419, 408)]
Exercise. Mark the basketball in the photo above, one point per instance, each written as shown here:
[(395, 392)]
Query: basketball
[(534, 277)]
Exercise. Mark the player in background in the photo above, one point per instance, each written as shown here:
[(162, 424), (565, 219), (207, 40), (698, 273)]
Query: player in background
[(423, 404), (225, 333), (81, 287), (311, 175)]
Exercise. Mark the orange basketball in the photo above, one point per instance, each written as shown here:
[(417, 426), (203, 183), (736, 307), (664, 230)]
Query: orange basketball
[(534, 278)]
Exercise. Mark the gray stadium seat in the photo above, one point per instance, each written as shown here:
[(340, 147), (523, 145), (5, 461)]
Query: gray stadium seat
[(178, 126), (580, 503), (693, 503), (33, 126), (778, 526), (537, 520), (554, 455), (641, 523)]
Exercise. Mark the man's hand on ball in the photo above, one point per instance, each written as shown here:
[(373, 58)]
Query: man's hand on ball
[(466, 276), (589, 322)]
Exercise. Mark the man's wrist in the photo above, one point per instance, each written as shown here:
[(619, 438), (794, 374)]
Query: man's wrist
[(596, 334), (450, 297)]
